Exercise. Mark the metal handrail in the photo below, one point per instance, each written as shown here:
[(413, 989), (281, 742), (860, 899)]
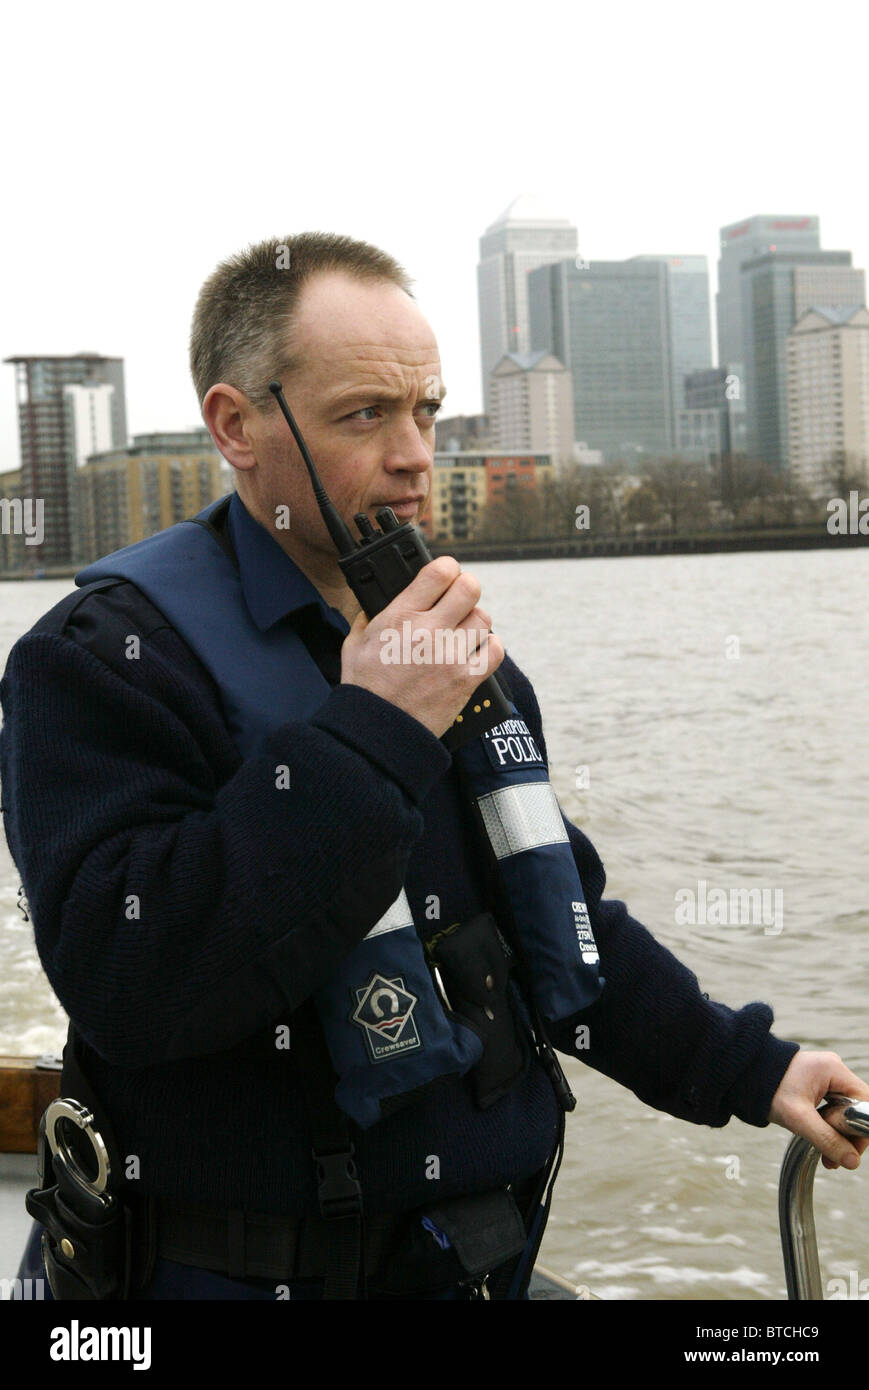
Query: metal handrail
[(796, 1183)]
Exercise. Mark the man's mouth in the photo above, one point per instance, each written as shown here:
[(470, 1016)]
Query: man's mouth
[(402, 507)]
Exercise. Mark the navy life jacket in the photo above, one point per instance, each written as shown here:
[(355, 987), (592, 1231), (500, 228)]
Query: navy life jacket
[(385, 1027)]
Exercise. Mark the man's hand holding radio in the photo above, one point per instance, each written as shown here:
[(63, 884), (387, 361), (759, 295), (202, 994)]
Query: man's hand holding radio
[(440, 600)]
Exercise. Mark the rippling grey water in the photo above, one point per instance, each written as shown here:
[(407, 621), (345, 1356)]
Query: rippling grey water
[(707, 723)]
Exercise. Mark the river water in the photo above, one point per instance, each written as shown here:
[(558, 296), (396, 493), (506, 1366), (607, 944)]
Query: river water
[(707, 723)]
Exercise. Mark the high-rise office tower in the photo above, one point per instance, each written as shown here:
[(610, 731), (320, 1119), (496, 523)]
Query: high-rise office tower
[(744, 241), (771, 270), (690, 327), (609, 324), (55, 426), (525, 236), (777, 288), (710, 428)]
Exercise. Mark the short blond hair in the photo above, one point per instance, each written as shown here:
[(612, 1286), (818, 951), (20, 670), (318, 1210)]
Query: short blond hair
[(241, 324)]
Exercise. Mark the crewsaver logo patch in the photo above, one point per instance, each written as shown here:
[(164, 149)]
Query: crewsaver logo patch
[(384, 1012)]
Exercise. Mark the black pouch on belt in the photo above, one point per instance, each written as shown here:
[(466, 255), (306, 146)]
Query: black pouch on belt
[(86, 1243), (95, 1244), (473, 970), (461, 1238)]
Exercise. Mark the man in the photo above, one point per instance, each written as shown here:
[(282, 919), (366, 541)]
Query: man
[(204, 853)]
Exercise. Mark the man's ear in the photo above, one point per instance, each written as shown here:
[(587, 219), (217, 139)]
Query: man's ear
[(226, 411)]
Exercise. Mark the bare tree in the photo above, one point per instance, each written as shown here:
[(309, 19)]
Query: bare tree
[(747, 487), (515, 516), (844, 472), (644, 506), (771, 497), (682, 490), (598, 487), (559, 498)]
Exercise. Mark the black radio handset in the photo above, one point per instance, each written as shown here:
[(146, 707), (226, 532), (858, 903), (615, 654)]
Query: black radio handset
[(378, 567)]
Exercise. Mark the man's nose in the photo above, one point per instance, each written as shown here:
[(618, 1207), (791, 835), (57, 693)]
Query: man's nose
[(406, 450)]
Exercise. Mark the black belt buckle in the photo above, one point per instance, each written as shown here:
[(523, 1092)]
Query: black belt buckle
[(338, 1187)]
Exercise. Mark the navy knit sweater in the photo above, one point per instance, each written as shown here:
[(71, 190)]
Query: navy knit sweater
[(120, 778)]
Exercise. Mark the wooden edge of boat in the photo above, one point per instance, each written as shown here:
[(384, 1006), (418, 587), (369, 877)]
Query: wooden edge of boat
[(26, 1089)]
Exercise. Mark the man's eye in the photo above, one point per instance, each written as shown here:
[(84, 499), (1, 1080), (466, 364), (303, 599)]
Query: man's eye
[(362, 411)]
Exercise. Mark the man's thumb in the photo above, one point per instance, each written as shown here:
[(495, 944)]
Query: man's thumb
[(825, 1137)]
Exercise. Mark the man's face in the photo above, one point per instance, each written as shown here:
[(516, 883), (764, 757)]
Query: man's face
[(365, 400)]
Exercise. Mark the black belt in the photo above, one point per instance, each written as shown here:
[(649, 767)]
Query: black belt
[(251, 1245)]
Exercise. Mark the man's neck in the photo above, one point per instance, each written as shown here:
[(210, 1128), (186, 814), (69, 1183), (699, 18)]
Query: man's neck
[(331, 586), (323, 571), (337, 596)]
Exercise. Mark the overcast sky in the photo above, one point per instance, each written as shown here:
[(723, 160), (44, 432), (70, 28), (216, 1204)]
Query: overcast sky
[(142, 144)]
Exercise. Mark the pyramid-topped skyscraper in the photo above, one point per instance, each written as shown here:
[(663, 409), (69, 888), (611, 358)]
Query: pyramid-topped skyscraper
[(527, 234)]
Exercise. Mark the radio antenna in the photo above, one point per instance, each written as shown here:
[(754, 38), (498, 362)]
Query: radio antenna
[(335, 525)]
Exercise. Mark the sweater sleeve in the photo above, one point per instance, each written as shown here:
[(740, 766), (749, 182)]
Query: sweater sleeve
[(652, 1029), (180, 905)]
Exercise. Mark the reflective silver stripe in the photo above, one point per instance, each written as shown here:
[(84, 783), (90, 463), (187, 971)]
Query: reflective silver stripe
[(522, 817), (394, 918)]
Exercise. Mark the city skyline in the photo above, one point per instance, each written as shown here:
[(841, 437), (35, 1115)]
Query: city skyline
[(657, 155), (461, 392)]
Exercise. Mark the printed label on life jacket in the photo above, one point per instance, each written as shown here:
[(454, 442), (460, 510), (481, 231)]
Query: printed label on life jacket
[(384, 1012), (511, 744), (584, 933)]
